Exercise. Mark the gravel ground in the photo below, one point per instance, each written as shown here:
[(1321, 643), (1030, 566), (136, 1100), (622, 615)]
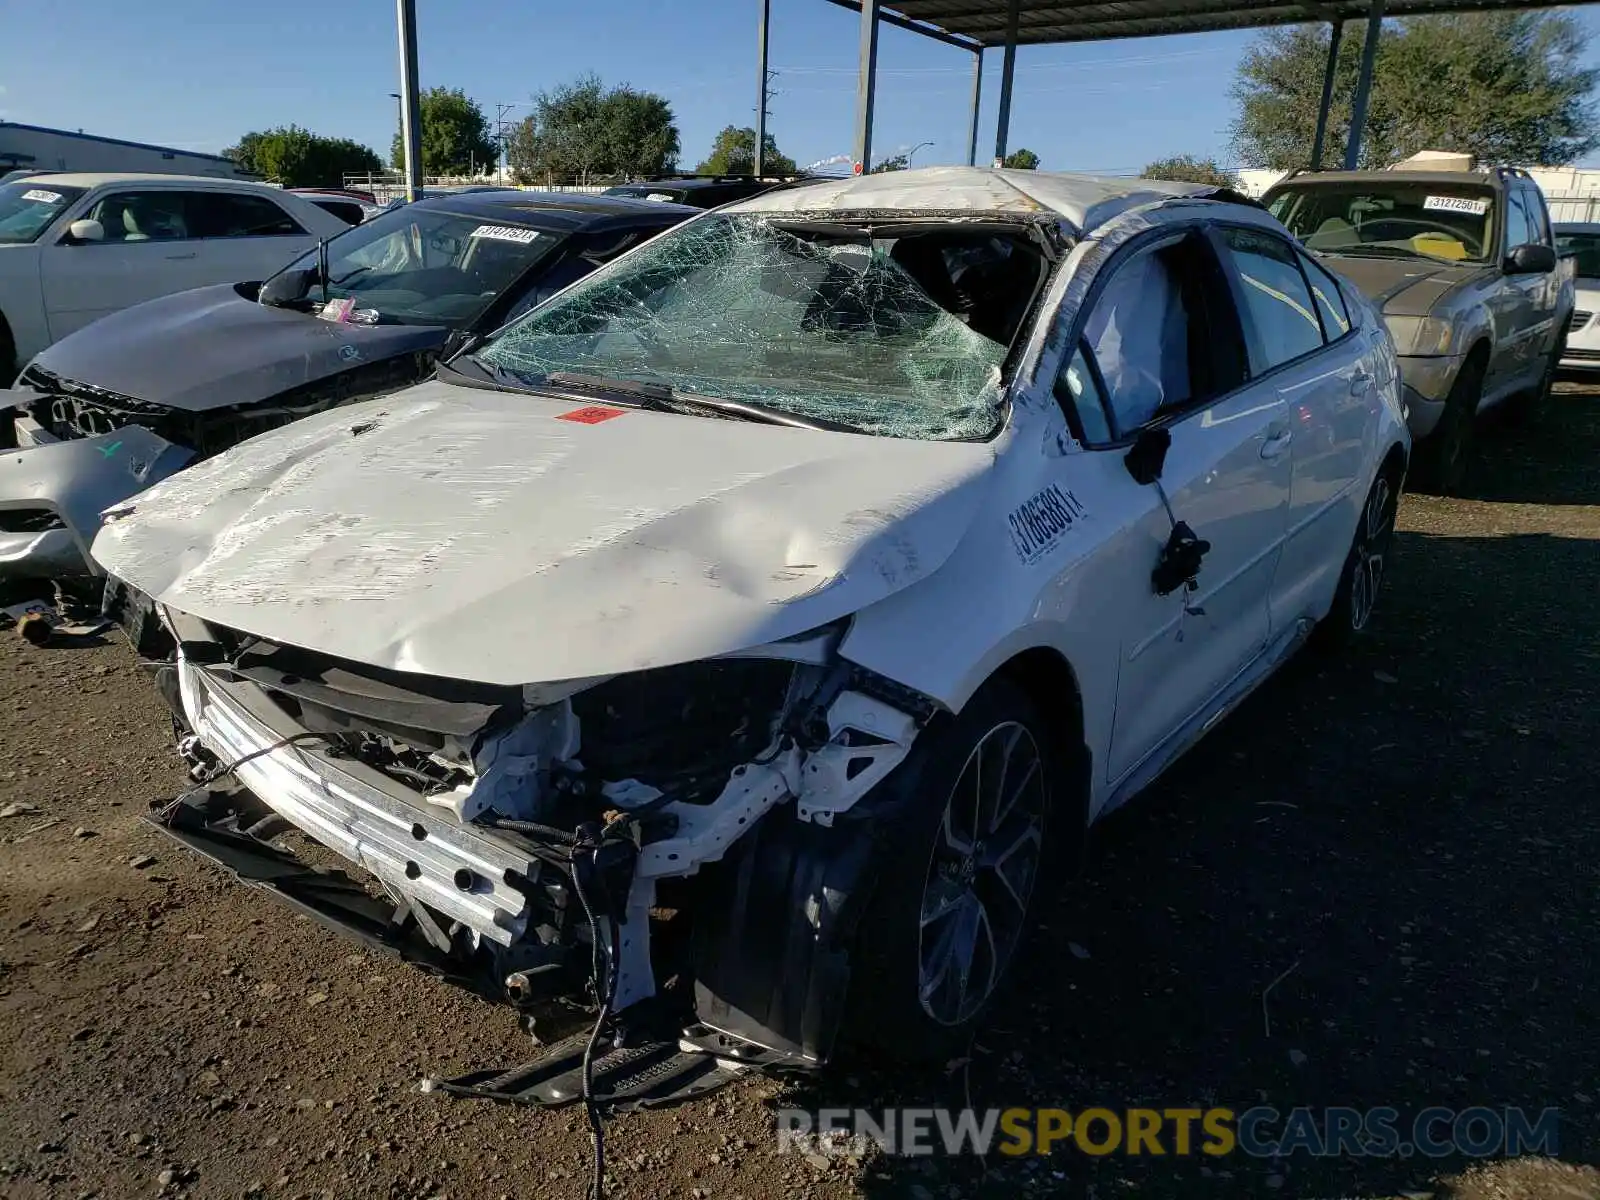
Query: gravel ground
[(1394, 830)]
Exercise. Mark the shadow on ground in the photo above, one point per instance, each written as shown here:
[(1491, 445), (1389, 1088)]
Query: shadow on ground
[(1402, 839)]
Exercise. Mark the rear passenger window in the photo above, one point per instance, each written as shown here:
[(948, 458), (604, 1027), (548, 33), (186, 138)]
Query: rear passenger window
[(1279, 314), (1330, 300), (227, 215)]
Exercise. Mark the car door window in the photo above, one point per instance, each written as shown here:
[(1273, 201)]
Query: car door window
[(1078, 391), (157, 216), (1518, 231), (1160, 336), (1279, 314), (1329, 296), (1538, 218)]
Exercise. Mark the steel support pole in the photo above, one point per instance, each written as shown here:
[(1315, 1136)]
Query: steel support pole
[(1007, 70), (1335, 37), (410, 104), (761, 87), (1358, 109), (977, 100), (866, 86)]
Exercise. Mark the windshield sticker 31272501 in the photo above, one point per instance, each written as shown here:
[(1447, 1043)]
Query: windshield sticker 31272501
[(1042, 520)]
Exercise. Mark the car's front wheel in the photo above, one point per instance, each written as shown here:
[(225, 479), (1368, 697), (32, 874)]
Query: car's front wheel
[(1442, 457), (961, 876)]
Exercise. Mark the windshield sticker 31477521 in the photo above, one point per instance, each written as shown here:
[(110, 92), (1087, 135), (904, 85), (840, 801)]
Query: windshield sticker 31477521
[(1042, 520)]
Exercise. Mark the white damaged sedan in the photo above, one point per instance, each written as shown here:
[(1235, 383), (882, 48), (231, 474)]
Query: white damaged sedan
[(750, 633)]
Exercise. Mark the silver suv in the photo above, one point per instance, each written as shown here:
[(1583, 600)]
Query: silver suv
[(1464, 267)]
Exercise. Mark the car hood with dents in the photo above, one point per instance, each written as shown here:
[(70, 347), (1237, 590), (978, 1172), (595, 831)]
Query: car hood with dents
[(211, 347), (514, 539), (1406, 287)]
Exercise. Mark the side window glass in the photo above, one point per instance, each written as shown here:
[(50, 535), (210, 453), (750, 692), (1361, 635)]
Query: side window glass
[(1538, 218), (1517, 231), (226, 215), (1330, 300), (1279, 315), (1139, 333), (142, 216), (1077, 391)]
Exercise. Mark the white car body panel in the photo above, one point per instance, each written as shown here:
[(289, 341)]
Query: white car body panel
[(401, 545), (1583, 335), (48, 289)]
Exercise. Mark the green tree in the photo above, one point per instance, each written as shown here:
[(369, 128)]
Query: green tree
[(1188, 168), (455, 135), (1022, 160), (1506, 87), (297, 157), (581, 129), (734, 153), (900, 162)]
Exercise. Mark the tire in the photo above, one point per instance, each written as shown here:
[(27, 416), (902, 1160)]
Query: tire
[(950, 909), (1442, 458), (9, 367), (1361, 577), (1525, 409)]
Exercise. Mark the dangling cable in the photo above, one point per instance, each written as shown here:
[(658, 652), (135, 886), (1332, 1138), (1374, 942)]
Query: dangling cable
[(170, 810), (605, 984)]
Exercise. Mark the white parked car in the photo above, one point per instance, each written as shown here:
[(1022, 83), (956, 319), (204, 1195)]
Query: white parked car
[(773, 608), (1580, 241), (76, 247)]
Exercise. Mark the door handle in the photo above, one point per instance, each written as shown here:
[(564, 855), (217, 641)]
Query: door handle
[(176, 257), (1277, 442), (1360, 382)]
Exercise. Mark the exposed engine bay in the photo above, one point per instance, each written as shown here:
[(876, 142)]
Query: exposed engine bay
[(690, 834)]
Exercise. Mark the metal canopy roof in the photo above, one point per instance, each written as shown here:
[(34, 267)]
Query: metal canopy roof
[(979, 23)]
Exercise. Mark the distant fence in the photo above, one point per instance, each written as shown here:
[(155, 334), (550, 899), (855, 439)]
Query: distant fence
[(387, 187), (1573, 206)]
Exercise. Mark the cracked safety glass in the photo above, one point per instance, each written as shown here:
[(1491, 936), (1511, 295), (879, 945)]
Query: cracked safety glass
[(825, 325)]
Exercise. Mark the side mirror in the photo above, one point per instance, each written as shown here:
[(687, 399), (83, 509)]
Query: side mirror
[(287, 287), (86, 231), (1148, 455), (1531, 259)]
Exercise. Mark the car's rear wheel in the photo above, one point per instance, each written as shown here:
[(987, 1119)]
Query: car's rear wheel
[(8, 355), (960, 877), (1364, 567), (1442, 458), (1525, 409)]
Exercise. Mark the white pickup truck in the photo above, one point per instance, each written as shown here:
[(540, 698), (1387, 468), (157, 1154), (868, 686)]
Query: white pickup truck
[(74, 248)]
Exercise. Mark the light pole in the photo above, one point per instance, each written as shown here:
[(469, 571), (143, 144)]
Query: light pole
[(913, 150)]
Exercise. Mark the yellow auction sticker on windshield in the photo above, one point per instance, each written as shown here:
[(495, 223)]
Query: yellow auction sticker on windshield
[(1460, 204)]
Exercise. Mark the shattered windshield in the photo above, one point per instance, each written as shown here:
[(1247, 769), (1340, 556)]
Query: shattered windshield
[(415, 265), (1448, 221), (28, 206), (901, 336)]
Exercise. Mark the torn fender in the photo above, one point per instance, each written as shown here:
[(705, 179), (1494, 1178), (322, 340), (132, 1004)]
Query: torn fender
[(482, 536)]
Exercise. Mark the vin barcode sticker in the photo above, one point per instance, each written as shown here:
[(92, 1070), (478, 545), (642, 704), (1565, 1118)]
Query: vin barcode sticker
[(1460, 204), (1041, 521)]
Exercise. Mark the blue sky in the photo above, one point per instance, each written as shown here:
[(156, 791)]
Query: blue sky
[(197, 74)]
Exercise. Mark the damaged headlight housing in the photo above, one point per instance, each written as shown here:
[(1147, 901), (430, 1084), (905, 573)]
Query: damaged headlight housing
[(1422, 337)]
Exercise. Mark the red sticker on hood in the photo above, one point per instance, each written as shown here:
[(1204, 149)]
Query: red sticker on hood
[(591, 415)]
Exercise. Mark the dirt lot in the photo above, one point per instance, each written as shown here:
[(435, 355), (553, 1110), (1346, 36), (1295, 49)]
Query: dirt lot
[(1410, 834)]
